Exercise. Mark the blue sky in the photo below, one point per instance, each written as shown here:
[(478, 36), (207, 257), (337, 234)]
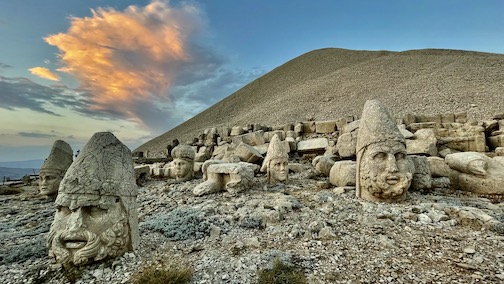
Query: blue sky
[(69, 69)]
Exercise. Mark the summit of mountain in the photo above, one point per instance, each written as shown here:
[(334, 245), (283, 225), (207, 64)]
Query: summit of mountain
[(330, 83)]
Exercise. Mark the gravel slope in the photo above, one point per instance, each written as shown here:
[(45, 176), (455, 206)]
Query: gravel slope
[(330, 83)]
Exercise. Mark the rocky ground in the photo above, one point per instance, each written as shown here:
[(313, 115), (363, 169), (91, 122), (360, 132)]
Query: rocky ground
[(436, 237)]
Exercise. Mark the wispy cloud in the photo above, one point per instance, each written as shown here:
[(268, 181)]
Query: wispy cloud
[(35, 135), (44, 73), (4, 66)]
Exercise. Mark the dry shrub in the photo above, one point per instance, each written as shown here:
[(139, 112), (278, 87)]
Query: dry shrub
[(281, 273), (163, 274)]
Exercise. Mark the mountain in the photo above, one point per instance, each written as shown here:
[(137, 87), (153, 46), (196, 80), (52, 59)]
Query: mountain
[(331, 83), (35, 164), (15, 173)]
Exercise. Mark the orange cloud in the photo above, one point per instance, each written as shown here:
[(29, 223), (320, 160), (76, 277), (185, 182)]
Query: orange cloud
[(44, 73), (126, 56)]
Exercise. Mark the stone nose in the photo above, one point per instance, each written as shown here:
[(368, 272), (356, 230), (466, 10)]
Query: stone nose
[(391, 164), (76, 219)]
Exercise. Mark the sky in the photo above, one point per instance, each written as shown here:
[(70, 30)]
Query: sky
[(138, 68)]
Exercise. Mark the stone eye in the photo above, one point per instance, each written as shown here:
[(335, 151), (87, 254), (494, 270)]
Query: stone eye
[(63, 210), (380, 156), (400, 156)]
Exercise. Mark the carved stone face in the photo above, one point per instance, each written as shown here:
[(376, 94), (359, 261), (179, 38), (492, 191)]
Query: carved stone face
[(83, 232), (49, 182), (278, 170), (385, 172), (182, 168)]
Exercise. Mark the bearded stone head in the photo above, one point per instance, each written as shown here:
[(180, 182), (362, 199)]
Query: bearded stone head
[(96, 214), (384, 172)]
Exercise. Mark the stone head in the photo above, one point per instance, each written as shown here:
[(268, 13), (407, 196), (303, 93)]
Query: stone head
[(54, 168), (96, 214), (384, 172), (276, 162), (183, 162)]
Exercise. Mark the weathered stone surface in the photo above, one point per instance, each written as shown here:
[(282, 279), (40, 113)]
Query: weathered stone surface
[(247, 153), (346, 144), (142, 172), (475, 172), (54, 168), (97, 212), (324, 163), (182, 167), (350, 127), (276, 162), (268, 135), (438, 167), (312, 145), (252, 138), (236, 130), (405, 132), (309, 127), (383, 171), (343, 173), (328, 126), (232, 177), (422, 179), (496, 141), (424, 143), (421, 125)]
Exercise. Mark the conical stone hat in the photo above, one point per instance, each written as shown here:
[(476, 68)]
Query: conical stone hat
[(59, 159), (276, 150), (376, 125), (183, 151), (104, 167)]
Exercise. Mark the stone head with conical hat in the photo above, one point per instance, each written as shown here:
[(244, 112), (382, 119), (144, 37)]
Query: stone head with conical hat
[(54, 168), (276, 162), (96, 215), (384, 171)]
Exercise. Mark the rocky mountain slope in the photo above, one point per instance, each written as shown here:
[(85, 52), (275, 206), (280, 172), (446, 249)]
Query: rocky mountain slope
[(330, 83)]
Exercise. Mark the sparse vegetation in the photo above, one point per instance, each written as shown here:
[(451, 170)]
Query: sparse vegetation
[(180, 224), (281, 273), (163, 274)]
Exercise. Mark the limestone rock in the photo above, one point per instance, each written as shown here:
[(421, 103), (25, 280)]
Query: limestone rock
[(343, 173), (312, 145), (232, 177)]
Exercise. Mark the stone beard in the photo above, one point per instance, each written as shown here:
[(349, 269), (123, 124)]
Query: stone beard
[(49, 182), (278, 170), (81, 234), (385, 172)]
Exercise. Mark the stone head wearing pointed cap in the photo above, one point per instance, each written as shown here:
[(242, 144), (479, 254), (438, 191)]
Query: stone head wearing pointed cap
[(96, 213), (54, 168), (276, 162), (384, 171)]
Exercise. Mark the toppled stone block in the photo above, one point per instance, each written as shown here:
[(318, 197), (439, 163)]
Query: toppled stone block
[(350, 127), (232, 177), (438, 167), (313, 145), (268, 135), (328, 126), (236, 130), (405, 132), (496, 141), (424, 143), (346, 144), (324, 163), (421, 125), (422, 179), (343, 173), (247, 153), (252, 138), (309, 127)]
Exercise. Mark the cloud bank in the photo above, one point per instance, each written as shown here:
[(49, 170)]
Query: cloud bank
[(126, 60)]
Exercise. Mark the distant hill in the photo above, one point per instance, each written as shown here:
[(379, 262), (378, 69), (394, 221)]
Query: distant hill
[(15, 173), (331, 83), (35, 164)]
